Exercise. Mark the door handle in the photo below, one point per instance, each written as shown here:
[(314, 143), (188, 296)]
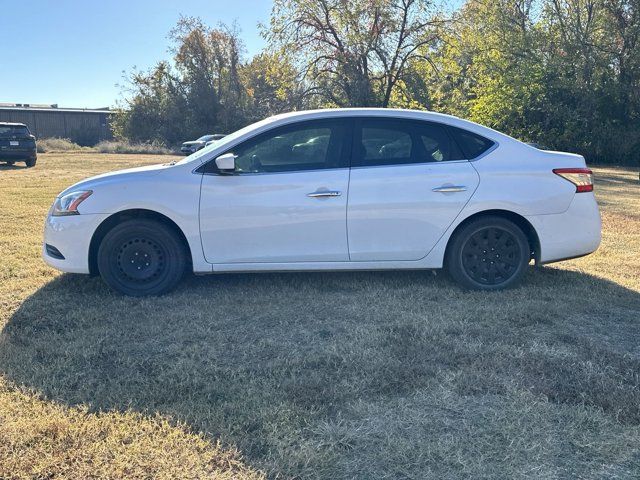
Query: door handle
[(450, 189), (324, 193)]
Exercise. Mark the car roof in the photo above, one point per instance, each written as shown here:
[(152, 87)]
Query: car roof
[(10, 124), (423, 115)]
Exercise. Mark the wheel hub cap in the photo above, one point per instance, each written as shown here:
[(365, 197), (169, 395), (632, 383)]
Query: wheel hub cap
[(140, 260)]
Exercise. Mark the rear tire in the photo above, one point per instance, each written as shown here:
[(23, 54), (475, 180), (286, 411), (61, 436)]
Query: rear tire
[(490, 253), (30, 162), (142, 257)]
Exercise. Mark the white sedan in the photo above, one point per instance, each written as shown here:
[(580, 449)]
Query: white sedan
[(345, 189)]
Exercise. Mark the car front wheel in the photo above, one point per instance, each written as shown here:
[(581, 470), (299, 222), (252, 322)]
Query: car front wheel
[(142, 257), (489, 253)]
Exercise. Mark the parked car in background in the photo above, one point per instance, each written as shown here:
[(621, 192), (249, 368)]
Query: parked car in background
[(191, 147), (344, 189), (218, 136), (17, 144)]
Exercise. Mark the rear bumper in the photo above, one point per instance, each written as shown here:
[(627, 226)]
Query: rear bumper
[(71, 236), (17, 154), (573, 233)]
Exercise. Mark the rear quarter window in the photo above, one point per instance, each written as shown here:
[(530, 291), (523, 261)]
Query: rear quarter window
[(471, 144)]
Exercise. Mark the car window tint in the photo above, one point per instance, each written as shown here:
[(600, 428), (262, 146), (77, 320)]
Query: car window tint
[(384, 145), (437, 145), (472, 145), (304, 146), (297, 150), (400, 141), (383, 141)]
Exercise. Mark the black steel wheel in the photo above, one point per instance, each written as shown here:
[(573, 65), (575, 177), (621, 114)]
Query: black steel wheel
[(490, 253), (141, 257)]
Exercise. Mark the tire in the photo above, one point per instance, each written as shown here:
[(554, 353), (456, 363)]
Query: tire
[(142, 257), (490, 253), (10, 163), (31, 162)]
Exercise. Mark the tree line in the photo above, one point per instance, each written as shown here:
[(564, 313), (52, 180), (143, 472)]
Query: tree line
[(561, 73)]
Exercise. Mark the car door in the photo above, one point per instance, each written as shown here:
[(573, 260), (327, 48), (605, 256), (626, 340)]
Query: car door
[(285, 201), (409, 181)]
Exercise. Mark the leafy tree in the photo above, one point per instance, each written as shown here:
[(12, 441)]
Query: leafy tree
[(201, 92), (489, 67), (150, 111), (272, 85)]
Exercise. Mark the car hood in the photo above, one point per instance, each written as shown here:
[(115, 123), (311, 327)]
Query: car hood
[(117, 176)]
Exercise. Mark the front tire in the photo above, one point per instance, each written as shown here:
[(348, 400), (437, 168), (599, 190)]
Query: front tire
[(142, 257), (489, 253)]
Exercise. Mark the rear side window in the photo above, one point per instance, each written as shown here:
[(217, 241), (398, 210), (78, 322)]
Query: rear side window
[(399, 141), (436, 144), (385, 144), (472, 145)]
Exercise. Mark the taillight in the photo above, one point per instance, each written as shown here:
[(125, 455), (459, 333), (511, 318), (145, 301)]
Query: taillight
[(582, 178)]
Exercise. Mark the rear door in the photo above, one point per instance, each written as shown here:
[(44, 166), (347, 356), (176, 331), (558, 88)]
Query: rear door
[(409, 181)]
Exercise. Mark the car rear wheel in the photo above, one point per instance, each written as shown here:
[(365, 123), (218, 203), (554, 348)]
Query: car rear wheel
[(142, 257), (489, 253), (30, 162)]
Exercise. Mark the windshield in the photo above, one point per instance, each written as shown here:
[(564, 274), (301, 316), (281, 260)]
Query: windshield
[(10, 130), (205, 138), (227, 139)]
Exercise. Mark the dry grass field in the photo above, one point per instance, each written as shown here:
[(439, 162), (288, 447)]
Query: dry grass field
[(323, 375)]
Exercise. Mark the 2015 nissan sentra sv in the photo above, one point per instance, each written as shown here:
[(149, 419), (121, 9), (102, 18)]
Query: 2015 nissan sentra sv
[(346, 189)]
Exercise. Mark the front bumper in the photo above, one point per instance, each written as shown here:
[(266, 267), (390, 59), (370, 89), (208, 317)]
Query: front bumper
[(71, 236)]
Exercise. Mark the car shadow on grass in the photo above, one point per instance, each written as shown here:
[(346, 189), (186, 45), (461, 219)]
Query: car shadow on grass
[(5, 166), (309, 373)]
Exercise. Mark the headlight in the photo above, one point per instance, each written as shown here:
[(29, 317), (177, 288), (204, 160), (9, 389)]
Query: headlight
[(68, 204)]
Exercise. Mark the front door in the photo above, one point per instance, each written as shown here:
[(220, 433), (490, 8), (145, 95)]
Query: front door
[(409, 181), (286, 200)]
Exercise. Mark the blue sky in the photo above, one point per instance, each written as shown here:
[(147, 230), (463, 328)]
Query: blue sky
[(74, 52)]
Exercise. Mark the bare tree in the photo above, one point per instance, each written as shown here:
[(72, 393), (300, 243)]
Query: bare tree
[(354, 53)]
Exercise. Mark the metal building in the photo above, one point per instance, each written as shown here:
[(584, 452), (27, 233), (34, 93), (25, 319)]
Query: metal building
[(82, 126)]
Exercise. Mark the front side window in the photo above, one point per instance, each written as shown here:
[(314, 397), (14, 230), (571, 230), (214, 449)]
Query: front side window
[(398, 141), (305, 146)]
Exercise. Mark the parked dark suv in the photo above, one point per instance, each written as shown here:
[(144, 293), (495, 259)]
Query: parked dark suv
[(17, 144)]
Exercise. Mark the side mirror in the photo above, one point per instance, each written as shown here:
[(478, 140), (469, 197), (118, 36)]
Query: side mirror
[(226, 162)]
